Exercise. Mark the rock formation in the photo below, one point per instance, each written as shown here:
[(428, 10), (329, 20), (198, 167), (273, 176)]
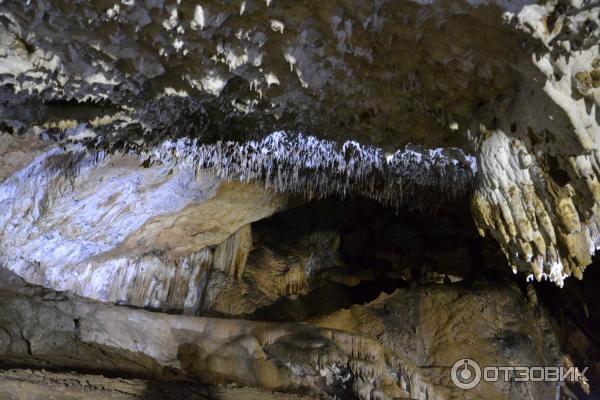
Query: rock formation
[(270, 198), (392, 347), (538, 191)]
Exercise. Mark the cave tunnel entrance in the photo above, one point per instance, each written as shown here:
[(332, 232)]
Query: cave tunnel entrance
[(356, 249)]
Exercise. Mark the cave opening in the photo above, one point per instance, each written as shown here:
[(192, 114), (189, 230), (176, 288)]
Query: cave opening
[(354, 250)]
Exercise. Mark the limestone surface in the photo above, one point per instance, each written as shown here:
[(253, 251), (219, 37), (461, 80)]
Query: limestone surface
[(271, 198), (513, 84), (397, 346)]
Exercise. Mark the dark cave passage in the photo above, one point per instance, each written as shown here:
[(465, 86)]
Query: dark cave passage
[(372, 250)]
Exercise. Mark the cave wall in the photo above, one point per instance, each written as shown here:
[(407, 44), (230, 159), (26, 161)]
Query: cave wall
[(514, 84), (538, 187), (395, 346), (152, 151)]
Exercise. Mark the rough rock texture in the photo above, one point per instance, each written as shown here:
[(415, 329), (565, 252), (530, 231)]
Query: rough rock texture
[(16, 152), (26, 384), (284, 269), (175, 238), (313, 259), (176, 156), (396, 346), (428, 327), (514, 82), (387, 73), (116, 231), (538, 191)]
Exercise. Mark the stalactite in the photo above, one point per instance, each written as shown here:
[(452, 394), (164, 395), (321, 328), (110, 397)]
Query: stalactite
[(319, 168), (538, 191), (230, 256)]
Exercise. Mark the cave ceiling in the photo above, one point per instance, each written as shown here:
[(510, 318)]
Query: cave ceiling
[(289, 192)]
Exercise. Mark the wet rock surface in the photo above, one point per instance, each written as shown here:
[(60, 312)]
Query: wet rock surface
[(275, 199)]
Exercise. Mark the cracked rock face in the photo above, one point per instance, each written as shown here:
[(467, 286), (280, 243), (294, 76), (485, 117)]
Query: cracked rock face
[(251, 198)]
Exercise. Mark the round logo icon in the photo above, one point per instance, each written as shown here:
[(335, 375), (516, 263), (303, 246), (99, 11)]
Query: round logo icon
[(465, 373)]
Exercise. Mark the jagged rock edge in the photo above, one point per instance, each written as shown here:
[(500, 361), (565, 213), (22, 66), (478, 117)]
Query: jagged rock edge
[(319, 168)]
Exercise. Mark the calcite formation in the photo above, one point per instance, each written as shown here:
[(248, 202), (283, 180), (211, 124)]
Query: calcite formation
[(250, 197), (156, 77), (367, 70), (121, 241), (538, 189)]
